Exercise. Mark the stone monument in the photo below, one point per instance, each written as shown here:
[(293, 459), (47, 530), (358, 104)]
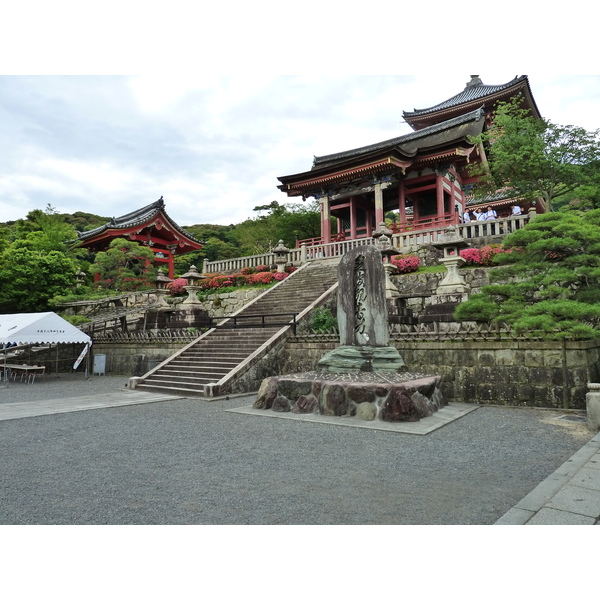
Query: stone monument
[(362, 318), (365, 377)]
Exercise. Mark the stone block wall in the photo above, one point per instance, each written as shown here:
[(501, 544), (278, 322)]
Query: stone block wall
[(418, 289), (134, 360), (505, 373)]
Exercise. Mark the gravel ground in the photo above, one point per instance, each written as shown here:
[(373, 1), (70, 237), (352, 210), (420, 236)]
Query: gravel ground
[(190, 462)]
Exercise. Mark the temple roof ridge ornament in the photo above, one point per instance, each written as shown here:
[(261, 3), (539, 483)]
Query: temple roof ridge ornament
[(474, 81)]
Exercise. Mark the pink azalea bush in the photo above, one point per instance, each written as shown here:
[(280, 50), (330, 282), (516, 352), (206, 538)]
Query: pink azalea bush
[(260, 275), (481, 256), (177, 286), (406, 263), (261, 278)]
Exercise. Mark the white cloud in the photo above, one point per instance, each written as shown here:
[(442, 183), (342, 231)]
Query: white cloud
[(213, 146)]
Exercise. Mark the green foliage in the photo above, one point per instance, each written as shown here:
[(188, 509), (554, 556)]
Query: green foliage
[(30, 278), (323, 320), (287, 222), (550, 282), (125, 266), (75, 320), (536, 158)]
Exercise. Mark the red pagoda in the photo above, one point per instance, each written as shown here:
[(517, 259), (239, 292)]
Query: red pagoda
[(149, 226), (421, 176)]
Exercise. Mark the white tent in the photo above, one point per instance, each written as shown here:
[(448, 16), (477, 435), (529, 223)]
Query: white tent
[(40, 328)]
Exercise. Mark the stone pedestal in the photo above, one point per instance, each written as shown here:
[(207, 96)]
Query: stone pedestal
[(592, 401), (454, 283), (362, 359), (192, 298)]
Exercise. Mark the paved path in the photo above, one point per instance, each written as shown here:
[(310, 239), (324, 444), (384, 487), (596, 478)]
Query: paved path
[(38, 408), (570, 496)]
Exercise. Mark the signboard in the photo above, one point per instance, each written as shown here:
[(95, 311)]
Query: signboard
[(81, 356)]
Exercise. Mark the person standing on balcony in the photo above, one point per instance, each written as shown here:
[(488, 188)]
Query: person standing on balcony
[(466, 217), (516, 211), (479, 216), (491, 214)]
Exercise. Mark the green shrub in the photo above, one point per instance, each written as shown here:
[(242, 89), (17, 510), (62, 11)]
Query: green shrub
[(323, 320)]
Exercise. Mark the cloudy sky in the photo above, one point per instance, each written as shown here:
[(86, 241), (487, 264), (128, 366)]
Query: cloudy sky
[(80, 133), (213, 147)]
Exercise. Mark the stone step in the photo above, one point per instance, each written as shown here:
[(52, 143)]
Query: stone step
[(165, 389), (178, 379), (226, 347), (200, 368), (174, 382)]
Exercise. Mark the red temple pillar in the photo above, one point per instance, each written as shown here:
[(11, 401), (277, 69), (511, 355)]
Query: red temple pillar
[(325, 222), (402, 204), (353, 218)]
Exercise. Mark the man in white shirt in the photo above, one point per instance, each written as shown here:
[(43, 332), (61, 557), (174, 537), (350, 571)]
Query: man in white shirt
[(490, 214), (516, 210)]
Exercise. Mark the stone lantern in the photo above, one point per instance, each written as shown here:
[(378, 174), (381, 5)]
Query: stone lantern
[(161, 287), (192, 288), (281, 256), (451, 243), (383, 242), (80, 277)]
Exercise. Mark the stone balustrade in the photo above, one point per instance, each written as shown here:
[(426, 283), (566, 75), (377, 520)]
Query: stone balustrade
[(409, 241)]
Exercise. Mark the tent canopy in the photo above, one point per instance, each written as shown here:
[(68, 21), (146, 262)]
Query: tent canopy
[(40, 328)]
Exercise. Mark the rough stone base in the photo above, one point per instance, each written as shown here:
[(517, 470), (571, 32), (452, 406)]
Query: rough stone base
[(390, 397)]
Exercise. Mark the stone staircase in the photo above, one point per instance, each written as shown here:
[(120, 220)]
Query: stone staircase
[(208, 366)]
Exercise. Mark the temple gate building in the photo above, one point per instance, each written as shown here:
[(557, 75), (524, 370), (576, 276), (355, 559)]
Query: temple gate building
[(150, 226), (422, 176)]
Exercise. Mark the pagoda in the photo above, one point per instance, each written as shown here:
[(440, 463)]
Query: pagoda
[(422, 176), (150, 226)]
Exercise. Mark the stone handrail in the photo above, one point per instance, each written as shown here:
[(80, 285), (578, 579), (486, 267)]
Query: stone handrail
[(408, 241)]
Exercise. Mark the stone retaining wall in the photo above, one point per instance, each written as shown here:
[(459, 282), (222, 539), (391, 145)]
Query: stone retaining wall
[(134, 360), (509, 373), (418, 289)]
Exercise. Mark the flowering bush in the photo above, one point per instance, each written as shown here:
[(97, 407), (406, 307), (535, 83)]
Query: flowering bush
[(262, 278), (239, 279), (472, 256), (406, 263), (291, 270), (262, 269), (248, 271), (215, 282), (280, 276), (481, 256), (177, 286)]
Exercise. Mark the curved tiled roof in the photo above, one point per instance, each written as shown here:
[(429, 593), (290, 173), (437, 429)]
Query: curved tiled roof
[(134, 218), (475, 90), (404, 139)]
